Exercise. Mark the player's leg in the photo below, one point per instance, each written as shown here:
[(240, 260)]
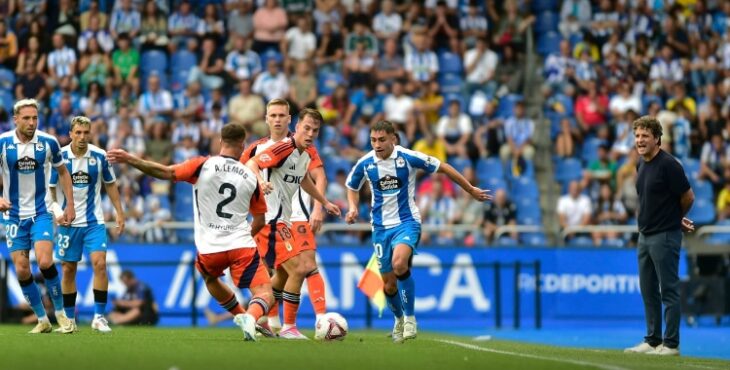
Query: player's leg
[(305, 242), (248, 271), (291, 296), (384, 252), (41, 232), (68, 249), (266, 243), (406, 240), (211, 267), (95, 242), (278, 280), (18, 240)]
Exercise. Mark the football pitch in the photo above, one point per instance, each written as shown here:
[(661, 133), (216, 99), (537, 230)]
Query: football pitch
[(139, 348)]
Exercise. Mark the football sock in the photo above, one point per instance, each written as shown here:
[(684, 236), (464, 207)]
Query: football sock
[(53, 283), (274, 310), (407, 290), (33, 295), (315, 284), (395, 304), (291, 306), (231, 305), (69, 304), (100, 298), (257, 307)]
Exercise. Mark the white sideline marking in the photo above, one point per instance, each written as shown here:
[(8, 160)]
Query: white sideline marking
[(536, 357)]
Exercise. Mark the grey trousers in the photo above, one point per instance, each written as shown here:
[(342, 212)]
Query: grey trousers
[(659, 281)]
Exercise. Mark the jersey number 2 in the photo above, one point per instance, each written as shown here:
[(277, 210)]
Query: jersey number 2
[(224, 202)]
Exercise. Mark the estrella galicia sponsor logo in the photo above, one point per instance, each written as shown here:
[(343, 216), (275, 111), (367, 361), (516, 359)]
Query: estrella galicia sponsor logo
[(389, 184), (80, 179), (26, 165)]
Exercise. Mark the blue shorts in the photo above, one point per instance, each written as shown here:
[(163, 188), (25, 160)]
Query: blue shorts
[(22, 235), (73, 241), (385, 240)]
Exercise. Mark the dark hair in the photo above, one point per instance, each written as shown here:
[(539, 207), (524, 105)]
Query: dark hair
[(312, 113), (383, 125), (650, 123), (233, 133)]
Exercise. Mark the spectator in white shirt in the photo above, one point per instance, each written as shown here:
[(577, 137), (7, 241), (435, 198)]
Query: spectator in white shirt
[(155, 101), (182, 26), (574, 208), (242, 63), (480, 64), (272, 84), (387, 24), (455, 130), (398, 108), (575, 15), (125, 19), (95, 31), (518, 131), (61, 62), (665, 71), (298, 44), (624, 101)]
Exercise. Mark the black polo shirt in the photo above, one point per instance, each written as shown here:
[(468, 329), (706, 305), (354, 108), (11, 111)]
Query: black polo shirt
[(660, 184)]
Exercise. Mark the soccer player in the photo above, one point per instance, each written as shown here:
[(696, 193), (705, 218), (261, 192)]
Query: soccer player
[(391, 171), (286, 163), (89, 168), (26, 157), (224, 193), (305, 218)]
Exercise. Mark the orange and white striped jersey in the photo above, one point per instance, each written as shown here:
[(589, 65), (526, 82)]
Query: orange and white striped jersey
[(224, 193), (284, 166)]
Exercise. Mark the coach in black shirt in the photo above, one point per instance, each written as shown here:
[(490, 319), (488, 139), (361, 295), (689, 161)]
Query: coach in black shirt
[(664, 198)]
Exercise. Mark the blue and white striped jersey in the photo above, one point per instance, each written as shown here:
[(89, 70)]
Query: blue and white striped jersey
[(392, 183), (25, 170), (87, 173)]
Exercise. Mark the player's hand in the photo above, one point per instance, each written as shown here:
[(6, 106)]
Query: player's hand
[(69, 215), (351, 215), (5, 204), (480, 194), (120, 225), (266, 187), (688, 225), (316, 219), (118, 156), (332, 209)]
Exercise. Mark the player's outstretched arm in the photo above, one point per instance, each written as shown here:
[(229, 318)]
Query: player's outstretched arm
[(150, 168), (311, 189), (264, 185), (64, 178), (476, 193), (353, 198), (113, 191)]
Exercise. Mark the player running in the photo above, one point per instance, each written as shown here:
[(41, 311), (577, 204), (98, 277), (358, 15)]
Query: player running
[(224, 193), (26, 157), (284, 165), (391, 172), (89, 168)]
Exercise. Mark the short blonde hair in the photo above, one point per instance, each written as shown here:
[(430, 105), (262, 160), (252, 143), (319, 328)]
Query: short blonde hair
[(20, 104), (278, 102), (80, 120)]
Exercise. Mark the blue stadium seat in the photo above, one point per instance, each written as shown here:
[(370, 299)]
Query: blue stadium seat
[(589, 150), (450, 83), (719, 238), (328, 81), (613, 243), (491, 167), (492, 184), (524, 187), (334, 164), (566, 102), (548, 43), (536, 239), (460, 163), (702, 212), (506, 105), (153, 60), (183, 60), (568, 169), (545, 5), (691, 167), (702, 190), (7, 100), (7, 79), (450, 63), (506, 241), (527, 209), (179, 80), (580, 241), (546, 21)]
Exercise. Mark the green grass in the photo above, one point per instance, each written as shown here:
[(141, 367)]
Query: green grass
[(222, 348)]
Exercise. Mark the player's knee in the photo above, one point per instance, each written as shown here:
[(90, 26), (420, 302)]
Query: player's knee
[(100, 267), (68, 269), (390, 287), (400, 267), (23, 272), (45, 262)]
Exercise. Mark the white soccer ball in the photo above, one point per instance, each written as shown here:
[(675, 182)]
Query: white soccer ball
[(332, 326)]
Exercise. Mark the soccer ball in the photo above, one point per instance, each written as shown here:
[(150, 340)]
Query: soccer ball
[(332, 326)]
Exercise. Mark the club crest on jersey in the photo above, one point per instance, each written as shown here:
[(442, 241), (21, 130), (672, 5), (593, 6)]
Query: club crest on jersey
[(92, 161), (40, 147), (264, 157), (389, 184), (400, 162), (80, 179), (26, 165)]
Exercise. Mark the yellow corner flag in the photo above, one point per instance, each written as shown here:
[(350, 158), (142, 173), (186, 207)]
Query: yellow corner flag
[(371, 284)]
